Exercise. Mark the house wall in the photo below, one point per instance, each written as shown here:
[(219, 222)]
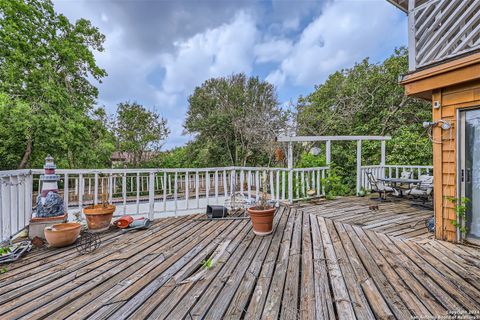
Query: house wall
[(466, 95)]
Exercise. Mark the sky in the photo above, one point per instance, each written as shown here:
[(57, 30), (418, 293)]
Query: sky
[(158, 51)]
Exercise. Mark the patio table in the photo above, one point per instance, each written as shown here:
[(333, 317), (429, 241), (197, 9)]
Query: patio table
[(394, 181)]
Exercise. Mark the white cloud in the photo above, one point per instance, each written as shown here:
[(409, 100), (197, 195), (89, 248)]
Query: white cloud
[(273, 51), (216, 52), (345, 32), (157, 52)]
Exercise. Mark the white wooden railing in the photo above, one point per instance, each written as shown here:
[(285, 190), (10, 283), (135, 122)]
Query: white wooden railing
[(392, 171), (15, 201), (440, 29), (153, 192)]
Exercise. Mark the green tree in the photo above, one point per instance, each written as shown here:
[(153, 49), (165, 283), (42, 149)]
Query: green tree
[(368, 100), (46, 64), (139, 130), (235, 120)]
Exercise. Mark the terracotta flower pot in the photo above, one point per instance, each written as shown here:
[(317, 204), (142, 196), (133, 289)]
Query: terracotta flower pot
[(62, 234), (262, 220), (99, 216)]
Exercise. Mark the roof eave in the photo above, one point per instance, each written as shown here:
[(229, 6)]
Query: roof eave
[(402, 5)]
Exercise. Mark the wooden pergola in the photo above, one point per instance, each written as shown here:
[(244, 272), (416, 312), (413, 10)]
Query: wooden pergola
[(328, 156)]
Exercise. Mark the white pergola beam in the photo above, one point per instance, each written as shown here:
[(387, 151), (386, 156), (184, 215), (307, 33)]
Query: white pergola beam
[(330, 138)]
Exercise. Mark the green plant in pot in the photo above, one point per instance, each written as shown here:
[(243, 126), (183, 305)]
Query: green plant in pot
[(261, 214)]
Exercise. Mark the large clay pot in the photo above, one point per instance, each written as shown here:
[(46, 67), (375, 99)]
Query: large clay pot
[(62, 234), (262, 220), (99, 216)]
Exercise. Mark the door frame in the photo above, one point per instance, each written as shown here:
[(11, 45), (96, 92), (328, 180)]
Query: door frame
[(460, 146)]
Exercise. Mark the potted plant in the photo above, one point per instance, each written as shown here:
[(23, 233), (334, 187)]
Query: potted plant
[(262, 214), (99, 216), (62, 234)]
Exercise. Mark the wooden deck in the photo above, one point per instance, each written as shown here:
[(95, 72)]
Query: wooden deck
[(338, 259)]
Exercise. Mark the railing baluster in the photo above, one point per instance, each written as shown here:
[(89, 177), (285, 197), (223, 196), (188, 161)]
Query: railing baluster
[(76, 187), (303, 183), (207, 186), (323, 184), (7, 217), (297, 184), (137, 200), (151, 195), (216, 186), (277, 172), (89, 185), (257, 182), (175, 187), (28, 198), (249, 184), (233, 182), (65, 192), (165, 190), (225, 183), (124, 192), (241, 181), (272, 187), (197, 191), (284, 174), (13, 203), (80, 191), (187, 189), (110, 188), (95, 192), (169, 184)]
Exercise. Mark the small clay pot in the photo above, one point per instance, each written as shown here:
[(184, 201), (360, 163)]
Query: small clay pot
[(99, 216), (262, 220), (62, 234)]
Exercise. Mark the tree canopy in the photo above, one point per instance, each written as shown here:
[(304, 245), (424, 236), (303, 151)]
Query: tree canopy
[(368, 100), (46, 65), (48, 105), (235, 120), (139, 130)]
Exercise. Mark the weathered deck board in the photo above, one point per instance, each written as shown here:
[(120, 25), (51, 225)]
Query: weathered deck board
[(337, 259)]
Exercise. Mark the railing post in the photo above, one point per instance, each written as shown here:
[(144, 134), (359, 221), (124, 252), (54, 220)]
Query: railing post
[(81, 186), (151, 195), (290, 172), (197, 187), (165, 190), (412, 52), (5, 210), (383, 158), (29, 196), (328, 153), (137, 201), (65, 192), (187, 189), (359, 165), (124, 192), (95, 192)]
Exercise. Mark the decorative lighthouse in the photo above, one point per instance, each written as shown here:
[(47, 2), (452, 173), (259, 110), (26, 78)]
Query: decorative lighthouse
[(49, 202)]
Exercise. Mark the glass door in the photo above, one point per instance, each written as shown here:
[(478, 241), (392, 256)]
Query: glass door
[(469, 165)]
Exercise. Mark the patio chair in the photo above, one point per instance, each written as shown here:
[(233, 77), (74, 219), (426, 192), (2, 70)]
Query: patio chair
[(423, 190), (379, 186), (406, 174)]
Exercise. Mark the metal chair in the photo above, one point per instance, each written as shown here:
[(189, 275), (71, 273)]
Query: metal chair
[(379, 186), (406, 174), (423, 190)]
